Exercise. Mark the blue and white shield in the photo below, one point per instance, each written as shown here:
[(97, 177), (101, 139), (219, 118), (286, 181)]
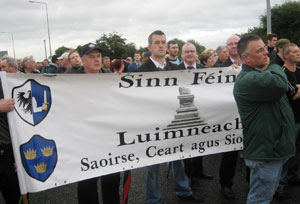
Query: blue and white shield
[(32, 101), (39, 157)]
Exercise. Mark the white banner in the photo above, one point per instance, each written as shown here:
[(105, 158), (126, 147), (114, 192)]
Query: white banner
[(67, 128)]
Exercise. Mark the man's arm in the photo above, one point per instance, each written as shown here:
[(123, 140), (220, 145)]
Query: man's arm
[(267, 85)]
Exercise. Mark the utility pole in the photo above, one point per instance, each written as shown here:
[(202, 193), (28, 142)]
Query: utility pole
[(269, 23), (45, 49)]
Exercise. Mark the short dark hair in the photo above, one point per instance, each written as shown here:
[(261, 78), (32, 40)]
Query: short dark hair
[(173, 42), (286, 49), (243, 43), (54, 58), (157, 32), (271, 36)]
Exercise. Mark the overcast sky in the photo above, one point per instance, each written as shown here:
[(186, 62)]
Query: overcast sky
[(77, 22)]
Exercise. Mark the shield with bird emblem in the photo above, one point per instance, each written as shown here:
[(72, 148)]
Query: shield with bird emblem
[(32, 101)]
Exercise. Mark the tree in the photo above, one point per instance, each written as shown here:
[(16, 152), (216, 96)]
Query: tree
[(59, 51), (130, 49), (200, 48), (112, 45), (285, 22)]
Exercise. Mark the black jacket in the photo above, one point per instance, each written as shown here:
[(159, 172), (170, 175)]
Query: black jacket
[(199, 66), (227, 63), (277, 60), (149, 66)]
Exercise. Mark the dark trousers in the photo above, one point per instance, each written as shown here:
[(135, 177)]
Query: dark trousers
[(87, 190), (193, 166), (227, 168), (9, 184)]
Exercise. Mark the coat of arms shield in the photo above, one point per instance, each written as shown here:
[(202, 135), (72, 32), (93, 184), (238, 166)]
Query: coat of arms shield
[(39, 157), (33, 101)]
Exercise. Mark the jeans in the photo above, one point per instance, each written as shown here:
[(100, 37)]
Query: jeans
[(181, 182), (264, 180)]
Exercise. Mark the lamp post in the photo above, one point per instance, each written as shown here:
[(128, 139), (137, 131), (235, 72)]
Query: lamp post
[(45, 49), (269, 27), (38, 2), (13, 44)]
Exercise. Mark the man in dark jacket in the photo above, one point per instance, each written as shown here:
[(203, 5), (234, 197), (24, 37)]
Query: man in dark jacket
[(278, 59), (157, 45), (267, 118), (9, 184), (189, 57), (53, 66), (271, 43), (234, 58), (87, 189)]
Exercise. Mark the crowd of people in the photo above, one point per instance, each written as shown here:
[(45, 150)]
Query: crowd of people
[(266, 91)]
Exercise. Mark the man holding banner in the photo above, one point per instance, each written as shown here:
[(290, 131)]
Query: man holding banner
[(87, 189), (267, 118), (157, 44), (9, 185)]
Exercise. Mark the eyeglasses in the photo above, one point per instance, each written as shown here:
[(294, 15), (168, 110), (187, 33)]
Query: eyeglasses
[(232, 43), (189, 51)]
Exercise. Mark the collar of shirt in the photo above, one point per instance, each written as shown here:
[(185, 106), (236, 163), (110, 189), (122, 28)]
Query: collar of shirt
[(235, 62), (158, 65), (194, 65), (137, 64)]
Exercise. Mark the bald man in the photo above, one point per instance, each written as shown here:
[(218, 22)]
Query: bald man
[(234, 58)]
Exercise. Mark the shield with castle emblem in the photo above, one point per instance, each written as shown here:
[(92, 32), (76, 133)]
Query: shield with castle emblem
[(33, 101), (39, 157)]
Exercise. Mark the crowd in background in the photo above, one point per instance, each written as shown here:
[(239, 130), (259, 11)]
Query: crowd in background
[(187, 173)]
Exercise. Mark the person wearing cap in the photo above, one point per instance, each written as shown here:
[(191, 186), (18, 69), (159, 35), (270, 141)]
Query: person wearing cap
[(53, 66), (87, 189), (278, 59), (65, 63)]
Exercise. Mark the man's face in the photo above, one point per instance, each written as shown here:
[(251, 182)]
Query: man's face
[(60, 62), (231, 45), (158, 47), (31, 65), (173, 50), (137, 57), (92, 62), (272, 43), (294, 55), (106, 63), (189, 54), (75, 59), (4, 65), (45, 63), (223, 54), (6, 68), (65, 62), (257, 55)]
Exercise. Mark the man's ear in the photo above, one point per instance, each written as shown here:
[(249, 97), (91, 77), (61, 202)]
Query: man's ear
[(245, 58), (149, 48)]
